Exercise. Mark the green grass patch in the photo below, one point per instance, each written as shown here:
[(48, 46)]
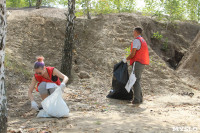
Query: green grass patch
[(17, 68)]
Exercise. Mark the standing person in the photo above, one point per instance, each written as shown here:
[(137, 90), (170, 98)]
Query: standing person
[(47, 79), (140, 56)]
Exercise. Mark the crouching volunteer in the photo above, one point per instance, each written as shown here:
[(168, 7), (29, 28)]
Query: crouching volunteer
[(140, 55), (47, 80)]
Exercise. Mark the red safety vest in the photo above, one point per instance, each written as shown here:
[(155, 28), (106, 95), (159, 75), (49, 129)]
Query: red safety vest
[(141, 55), (40, 79)]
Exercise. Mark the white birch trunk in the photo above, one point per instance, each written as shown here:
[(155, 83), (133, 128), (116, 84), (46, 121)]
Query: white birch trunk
[(3, 99), (66, 65)]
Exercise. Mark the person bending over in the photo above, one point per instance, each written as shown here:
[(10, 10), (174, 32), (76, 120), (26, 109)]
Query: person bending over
[(47, 80)]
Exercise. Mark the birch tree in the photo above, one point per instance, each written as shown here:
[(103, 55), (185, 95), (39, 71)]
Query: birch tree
[(3, 99), (66, 65), (39, 2)]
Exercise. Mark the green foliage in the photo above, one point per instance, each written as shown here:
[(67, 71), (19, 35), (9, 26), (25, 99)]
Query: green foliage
[(98, 123), (28, 3), (123, 5), (151, 7), (118, 5), (17, 3), (49, 2), (13, 65), (167, 10), (159, 15), (165, 45), (63, 2), (174, 9), (79, 13), (103, 7), (193, 9), (127, 50), (157, 36), (156, 62)]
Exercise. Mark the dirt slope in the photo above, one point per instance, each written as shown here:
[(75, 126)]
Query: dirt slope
[(189, 69), (99, 44)]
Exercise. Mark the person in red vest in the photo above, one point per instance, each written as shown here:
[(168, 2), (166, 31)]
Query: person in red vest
[(140, 56), (47, 80)]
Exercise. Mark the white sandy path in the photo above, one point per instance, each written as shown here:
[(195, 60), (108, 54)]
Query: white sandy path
[(158, 114)]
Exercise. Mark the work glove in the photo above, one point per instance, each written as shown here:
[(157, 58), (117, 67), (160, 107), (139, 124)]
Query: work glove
[(62, 86), (34, 105), (124, 60)]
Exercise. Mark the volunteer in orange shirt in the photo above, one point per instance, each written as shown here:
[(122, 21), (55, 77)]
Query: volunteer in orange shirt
[(47, 80), (140, 56)]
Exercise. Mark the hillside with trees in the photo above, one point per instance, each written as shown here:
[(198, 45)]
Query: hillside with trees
[(94, 41)]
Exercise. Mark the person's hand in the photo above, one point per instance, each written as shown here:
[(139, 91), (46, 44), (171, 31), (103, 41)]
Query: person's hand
[(62, 86), (124, 60), (34, 105)]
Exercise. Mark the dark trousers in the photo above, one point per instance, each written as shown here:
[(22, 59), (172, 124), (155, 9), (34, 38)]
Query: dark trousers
[(138, 97)]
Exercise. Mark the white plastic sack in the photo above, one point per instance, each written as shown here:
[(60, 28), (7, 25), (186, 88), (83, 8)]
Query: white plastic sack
[(54, 105), (131, 80), (43, 113)]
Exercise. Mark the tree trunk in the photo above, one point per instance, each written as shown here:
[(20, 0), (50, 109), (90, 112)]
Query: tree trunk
[(30, 3), (88, 9), (3, 99), (198, 12), (39, 2), (66, 65), (119, 6)]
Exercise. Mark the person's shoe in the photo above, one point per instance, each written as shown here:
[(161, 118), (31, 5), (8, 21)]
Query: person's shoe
[(136, 102)]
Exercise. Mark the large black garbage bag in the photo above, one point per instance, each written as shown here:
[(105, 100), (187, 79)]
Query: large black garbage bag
[(120, 78)]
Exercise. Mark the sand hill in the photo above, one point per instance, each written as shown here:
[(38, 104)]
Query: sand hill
[(99, 44)]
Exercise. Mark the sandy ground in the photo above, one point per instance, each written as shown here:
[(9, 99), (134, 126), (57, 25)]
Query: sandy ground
[(158, 114)]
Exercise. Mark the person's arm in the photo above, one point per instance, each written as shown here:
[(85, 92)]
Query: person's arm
[(60, 75), (34, 105), (31, 88), (136, 46), (132, 54)]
